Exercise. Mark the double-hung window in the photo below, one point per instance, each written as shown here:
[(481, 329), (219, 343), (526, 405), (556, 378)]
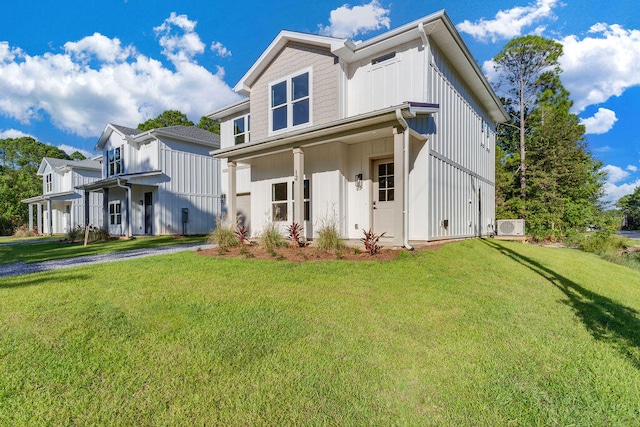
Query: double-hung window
[(115, 214), (115, 161), (290, 102), (48, 183), (280, 200), (241, 128)]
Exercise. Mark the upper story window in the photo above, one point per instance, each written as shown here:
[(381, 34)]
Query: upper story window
[(241, 129), (48, 183), (114, 167), (290, 102)]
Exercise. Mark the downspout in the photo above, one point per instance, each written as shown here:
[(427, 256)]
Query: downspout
[(129, 207), (405, 187)]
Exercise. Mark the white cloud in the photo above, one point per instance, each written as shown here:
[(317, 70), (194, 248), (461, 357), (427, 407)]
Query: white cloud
[(632, 168), (601, 65), (615, 173), (613, 192), (12, 133), (348, 22), (97, 80), (510, 23), (179, 40), (601, 122), (220, 50)]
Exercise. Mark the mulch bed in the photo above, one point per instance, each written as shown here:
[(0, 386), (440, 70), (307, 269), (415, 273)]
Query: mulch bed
[(308, 253)]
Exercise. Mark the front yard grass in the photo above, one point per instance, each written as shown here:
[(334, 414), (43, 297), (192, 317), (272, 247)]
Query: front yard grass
[(57, 249), (478, 332)]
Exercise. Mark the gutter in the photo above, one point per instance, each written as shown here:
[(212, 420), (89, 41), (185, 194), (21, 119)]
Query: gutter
[(129, 207), (405, 187)]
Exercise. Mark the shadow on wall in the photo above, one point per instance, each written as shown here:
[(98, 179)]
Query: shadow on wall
[(604, 318)]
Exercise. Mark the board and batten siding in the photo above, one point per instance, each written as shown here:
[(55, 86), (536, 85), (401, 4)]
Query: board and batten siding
[(292, 59), (192, 182), (82, 177), (462, 156)]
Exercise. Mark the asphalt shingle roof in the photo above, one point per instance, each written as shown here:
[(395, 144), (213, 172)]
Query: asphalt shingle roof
[(84, 164)]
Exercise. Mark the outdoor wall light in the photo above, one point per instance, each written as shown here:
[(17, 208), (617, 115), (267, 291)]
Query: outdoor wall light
[(359, 181)]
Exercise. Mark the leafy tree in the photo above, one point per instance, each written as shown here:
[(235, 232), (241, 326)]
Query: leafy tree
[(76, 155), (19, 162), (167, 118), (522, 65), (563, 183), (208, 124), (177, 118), (630, 207)]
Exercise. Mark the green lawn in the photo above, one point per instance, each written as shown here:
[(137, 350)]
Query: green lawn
[(479, 332), (56, 249)]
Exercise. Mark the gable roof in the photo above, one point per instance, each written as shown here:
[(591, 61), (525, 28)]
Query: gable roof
[(190, 134), (436, 28), (59, 164)]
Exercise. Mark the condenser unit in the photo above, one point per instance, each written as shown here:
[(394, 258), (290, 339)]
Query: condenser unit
[(510, 227)]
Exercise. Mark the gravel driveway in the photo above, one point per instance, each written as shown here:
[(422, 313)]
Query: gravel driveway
[(19, 268)]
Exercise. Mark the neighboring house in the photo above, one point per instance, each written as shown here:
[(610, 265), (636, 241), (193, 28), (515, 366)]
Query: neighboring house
[(396, 134), (158, 182), (62, 207)]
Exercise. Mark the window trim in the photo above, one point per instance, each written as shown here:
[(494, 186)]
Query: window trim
[(290, 102), (115, 212), (48, 183), (289, 202), (113, 161), (245, 134)]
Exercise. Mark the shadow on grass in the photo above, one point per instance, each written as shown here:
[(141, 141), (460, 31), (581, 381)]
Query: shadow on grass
[(604, 318), (31, 280)]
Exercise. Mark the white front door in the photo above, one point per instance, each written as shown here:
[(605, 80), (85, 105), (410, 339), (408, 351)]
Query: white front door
[(383, 196)]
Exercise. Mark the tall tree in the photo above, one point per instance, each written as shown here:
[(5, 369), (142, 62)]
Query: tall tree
[(167, 118), (19, 162), (208, 124), (630, 207), (521, 66)]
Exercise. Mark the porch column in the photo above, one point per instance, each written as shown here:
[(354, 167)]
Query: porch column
[(30, 216), (105, 209), (298, 185), (86, 208), (50, 215), (39, 219), (398, 186), (128, 209), (232, 207)]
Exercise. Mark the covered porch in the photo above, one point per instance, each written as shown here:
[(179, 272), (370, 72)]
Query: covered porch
[(52, 213), (361, 164)]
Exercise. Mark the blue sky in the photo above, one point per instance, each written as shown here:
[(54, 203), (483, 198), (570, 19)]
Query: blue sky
[(69, 67)]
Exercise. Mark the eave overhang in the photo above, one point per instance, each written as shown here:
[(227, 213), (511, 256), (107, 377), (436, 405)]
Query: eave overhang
[(339, 130)]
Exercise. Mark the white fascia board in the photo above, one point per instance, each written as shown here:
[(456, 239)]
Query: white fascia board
[(230, 110), (281, 40)]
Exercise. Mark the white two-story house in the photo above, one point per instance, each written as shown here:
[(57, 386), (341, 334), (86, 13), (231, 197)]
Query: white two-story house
[(62, 207), (394, 134), (158, 182)]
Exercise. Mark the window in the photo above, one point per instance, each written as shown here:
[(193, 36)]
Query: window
[(290, 102), (115, 161), (115, 215), (48, 181), (241, 128), (385, 182), (279, 198)]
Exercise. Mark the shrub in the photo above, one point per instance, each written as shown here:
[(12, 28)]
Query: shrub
[(241, 234), (223, 236), (271, 237), (76, 233), (371, 241), (98, 234), (23, 231), (294, 233), (328, 237)]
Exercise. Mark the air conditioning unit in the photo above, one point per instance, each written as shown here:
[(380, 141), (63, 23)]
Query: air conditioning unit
[(510, 227)]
